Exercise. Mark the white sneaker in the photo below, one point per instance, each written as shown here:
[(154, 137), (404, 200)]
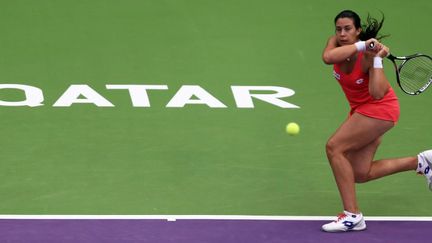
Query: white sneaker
[(425, 165), (346, 222)]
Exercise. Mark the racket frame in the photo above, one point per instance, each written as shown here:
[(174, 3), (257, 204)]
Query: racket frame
[(399, 67)]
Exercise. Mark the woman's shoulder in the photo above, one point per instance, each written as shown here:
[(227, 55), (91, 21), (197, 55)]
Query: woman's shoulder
[(331, 41), (367, 56), (366, 61)]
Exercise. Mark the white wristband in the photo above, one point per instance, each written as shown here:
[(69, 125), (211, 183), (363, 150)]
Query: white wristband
[(360, 45), (377, 62)]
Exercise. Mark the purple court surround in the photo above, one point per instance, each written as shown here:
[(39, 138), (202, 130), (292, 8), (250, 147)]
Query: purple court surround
[(202, 230)]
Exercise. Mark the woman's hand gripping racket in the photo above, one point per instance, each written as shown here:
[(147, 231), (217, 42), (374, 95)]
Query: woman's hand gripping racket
[(414, 73)]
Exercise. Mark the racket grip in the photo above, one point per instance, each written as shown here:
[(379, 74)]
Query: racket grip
[(372, 45)]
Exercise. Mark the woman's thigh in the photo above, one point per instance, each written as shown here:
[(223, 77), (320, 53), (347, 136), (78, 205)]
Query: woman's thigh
[(357, 133), (361, 160)]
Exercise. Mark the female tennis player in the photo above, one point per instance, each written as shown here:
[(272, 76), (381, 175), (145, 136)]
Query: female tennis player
[(374, 111)]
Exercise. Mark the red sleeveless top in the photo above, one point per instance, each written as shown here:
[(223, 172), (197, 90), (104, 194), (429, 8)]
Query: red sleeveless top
[(355, 85)]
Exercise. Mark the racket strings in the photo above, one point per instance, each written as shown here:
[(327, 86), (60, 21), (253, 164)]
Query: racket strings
[(416, 74)]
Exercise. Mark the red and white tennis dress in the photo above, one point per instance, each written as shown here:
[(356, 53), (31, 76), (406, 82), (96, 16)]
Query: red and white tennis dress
[(356, 88)]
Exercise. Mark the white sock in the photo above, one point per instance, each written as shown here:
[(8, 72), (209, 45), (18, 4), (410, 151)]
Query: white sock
[(352, 215)]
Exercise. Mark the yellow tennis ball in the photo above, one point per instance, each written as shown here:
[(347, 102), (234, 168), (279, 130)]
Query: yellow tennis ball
[(292, 128)]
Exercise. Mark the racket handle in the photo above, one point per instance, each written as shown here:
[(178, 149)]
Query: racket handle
[(372, 45)]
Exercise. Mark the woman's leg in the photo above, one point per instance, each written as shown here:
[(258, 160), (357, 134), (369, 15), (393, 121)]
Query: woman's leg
[(355, 134), (365, 169)]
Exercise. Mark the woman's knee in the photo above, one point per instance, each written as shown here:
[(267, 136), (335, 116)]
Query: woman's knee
[(333, 148), (361, 177)]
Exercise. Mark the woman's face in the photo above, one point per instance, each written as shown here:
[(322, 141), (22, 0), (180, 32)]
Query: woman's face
[(346, 32)]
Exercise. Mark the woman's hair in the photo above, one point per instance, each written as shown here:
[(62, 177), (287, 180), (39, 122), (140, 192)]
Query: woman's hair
[(370, 29)]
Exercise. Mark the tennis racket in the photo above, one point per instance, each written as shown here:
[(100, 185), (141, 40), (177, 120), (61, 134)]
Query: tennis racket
[(413, 73)]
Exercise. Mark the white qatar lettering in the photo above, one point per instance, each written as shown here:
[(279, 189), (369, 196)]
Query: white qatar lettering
[(244, 96), (73, 93), (186, 92), (33, 96), (138, 93)]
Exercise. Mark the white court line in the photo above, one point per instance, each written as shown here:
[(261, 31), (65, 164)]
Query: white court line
[(202, 217)]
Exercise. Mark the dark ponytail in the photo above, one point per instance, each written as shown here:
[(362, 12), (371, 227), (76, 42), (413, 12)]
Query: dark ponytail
[(370, 29)]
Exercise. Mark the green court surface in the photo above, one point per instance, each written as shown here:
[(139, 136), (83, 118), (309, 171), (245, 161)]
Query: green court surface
[(88, 159)]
